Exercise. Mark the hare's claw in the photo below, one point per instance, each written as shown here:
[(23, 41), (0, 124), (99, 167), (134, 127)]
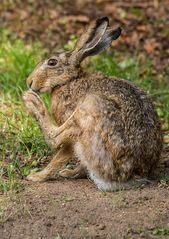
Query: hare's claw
[(34, 104)]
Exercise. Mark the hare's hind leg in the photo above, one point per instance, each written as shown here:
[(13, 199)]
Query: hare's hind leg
[(62, 156)]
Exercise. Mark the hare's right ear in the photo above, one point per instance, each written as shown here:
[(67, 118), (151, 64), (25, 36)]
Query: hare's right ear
[(89, 40)]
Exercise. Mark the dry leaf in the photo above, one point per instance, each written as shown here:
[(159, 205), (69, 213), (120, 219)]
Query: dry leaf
[(150, 45)]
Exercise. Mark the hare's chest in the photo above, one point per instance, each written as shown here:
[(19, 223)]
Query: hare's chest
[(62, 107)]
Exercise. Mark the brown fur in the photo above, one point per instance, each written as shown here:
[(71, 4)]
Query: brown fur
[(109, 123)]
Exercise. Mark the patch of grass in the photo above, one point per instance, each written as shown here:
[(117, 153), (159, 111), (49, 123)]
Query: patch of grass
[(118, 199), (165, 178), (68, 199), (16, 62), (164, 181), (58, 236), (20, 138), (71, 43), (161, 232)]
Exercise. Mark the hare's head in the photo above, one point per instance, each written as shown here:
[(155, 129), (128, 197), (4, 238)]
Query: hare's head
[(64, 67)]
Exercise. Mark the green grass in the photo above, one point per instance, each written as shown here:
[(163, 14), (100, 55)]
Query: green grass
[(21, 141), (22, 145), (159, 232)]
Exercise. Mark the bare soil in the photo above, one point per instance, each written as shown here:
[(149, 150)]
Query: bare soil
[(77, 209)]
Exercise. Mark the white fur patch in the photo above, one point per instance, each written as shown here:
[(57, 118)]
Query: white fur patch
[(109, 186), (78, 148)]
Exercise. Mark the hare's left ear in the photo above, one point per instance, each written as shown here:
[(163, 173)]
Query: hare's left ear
[(109, 36), (94, 40), (89, 39)]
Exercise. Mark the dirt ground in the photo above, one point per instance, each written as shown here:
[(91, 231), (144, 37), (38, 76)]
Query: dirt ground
[(74, 209)]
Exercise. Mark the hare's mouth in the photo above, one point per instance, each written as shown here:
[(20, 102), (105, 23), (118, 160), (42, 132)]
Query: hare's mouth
[(44, 89), (40, 90), (35, 90)]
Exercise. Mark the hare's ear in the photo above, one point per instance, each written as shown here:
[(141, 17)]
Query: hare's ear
[(96, 39), (106, 40), (89, 40)]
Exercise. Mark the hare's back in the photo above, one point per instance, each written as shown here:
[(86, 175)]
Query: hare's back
[(125, 92), (126, 97), (127, 106)]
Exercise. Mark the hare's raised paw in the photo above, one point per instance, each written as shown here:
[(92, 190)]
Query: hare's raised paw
[(33, 103), (36, 177)]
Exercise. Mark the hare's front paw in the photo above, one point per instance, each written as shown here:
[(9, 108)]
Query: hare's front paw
[(34, 104), (36, 177)]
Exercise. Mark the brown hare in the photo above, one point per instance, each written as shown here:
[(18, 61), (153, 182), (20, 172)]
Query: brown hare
[(109, 124)]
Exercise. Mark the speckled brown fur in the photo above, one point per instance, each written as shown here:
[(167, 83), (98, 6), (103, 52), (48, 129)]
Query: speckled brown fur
[(109, 123)]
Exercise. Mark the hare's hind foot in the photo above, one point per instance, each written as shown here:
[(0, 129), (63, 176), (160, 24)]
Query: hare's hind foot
[(112, 186), (78, 172)]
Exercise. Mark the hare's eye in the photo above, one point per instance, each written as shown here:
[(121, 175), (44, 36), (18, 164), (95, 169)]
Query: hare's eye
[(52, 62)]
